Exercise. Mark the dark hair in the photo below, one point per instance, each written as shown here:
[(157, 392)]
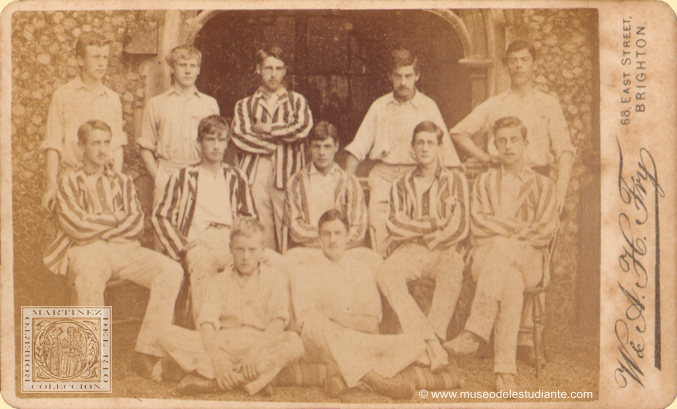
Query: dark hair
[(510, 122), (322, 131), (211, 124), (403, 58), (427, 126), (186, 52), (519, 45), (330, 216), (87, 128), (271, 51), (87, 40)]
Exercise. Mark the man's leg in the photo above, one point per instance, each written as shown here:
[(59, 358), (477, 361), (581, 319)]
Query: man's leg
[(406, 264), (186, 348), (159, 273), (447, 272), (262, 199), (508, 324), (381, 180), (89, 271), (277, 353)]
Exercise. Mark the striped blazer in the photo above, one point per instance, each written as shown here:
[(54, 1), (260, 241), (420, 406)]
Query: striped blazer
[(173, 215), (348, 198), (536, 220), (291, 122), (85, 212), (441, 220)]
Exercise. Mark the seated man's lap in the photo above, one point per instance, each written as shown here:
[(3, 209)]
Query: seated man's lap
[(501, 251), (415, 261)]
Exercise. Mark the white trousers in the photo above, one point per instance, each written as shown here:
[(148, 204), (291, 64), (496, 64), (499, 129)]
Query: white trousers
[(410, 262), (186, 348), (354, 354), (381, 179), (92, 265), (502, 268), (269, 201)]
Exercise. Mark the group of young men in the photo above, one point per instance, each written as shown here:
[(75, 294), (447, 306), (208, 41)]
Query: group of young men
[(256, 310)]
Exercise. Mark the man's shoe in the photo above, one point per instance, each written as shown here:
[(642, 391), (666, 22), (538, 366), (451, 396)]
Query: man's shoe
[(439, 359), (167, 370), (266, 392), (335, 386), (195, 385), (144, 364), (527, 354), (464, 344), (392, 388), (505, 382)]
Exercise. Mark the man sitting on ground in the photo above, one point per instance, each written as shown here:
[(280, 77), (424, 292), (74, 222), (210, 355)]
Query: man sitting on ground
[(241, 338), (514, 217), (100, 223), (427, 220), (338, 309)]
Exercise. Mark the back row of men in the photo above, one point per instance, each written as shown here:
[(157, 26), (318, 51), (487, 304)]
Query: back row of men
[(420, 209)]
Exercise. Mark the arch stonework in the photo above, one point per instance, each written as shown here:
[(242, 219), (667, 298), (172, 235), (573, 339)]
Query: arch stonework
[(474, 27)]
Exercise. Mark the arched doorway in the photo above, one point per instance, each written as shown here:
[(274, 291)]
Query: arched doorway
[(337, 58)]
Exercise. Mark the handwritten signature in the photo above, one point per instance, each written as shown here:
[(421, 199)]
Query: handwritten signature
[(630, 330)]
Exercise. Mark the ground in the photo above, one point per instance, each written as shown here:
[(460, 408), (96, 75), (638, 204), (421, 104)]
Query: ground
[(573, 366)]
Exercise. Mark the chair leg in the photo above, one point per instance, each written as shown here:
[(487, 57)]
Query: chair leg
[(538, 334)]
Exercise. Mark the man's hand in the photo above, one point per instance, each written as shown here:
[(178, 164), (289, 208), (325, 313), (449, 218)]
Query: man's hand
[(49, 198), (262, 128), (224, 374), (250, 366)]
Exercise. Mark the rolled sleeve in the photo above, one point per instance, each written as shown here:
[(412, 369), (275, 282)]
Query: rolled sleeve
[(212, 306), (558, 129), (56, 130), (279, 298), (365, 136), (475, 122), (148, 139)]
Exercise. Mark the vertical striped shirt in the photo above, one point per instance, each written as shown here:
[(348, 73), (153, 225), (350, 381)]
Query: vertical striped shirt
[(291, 121), (348, 198), (437, 218), (173, 215), (86, 204), (530, 214)]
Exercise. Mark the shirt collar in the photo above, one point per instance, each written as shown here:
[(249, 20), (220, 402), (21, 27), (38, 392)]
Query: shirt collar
[(107, 170), (173, 90), (415, 101), (522, 175), (418, 172), (100, 90), (313, 170), (281, 93)]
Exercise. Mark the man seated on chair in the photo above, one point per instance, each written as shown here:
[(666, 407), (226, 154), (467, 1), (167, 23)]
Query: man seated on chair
[(427, 220), (241, 338), (338, 308), (100, 223), (200, 202), (513, 218), (320, 186)]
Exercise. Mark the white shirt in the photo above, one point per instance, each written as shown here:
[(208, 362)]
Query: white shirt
[(321, 192), (388, 126), (212, 203)]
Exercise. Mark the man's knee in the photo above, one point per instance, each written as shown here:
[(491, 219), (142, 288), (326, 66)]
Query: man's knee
[(198, 259)]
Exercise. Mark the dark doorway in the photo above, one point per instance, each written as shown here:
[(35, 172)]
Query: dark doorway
[(336, 59)]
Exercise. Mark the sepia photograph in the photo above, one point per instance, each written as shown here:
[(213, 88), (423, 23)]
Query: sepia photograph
[(328, 206)]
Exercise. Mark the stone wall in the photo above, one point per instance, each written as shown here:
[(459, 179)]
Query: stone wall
[(43, 59), (566, 42)]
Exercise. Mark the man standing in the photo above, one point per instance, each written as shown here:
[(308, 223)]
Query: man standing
[(322, 186), (385, 135), (269, 127), (200, 202), (427, 219), (100, 222), (338, 309), (75, 103), (549, 139), (241, 338), (514, 217), (168, 139)]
